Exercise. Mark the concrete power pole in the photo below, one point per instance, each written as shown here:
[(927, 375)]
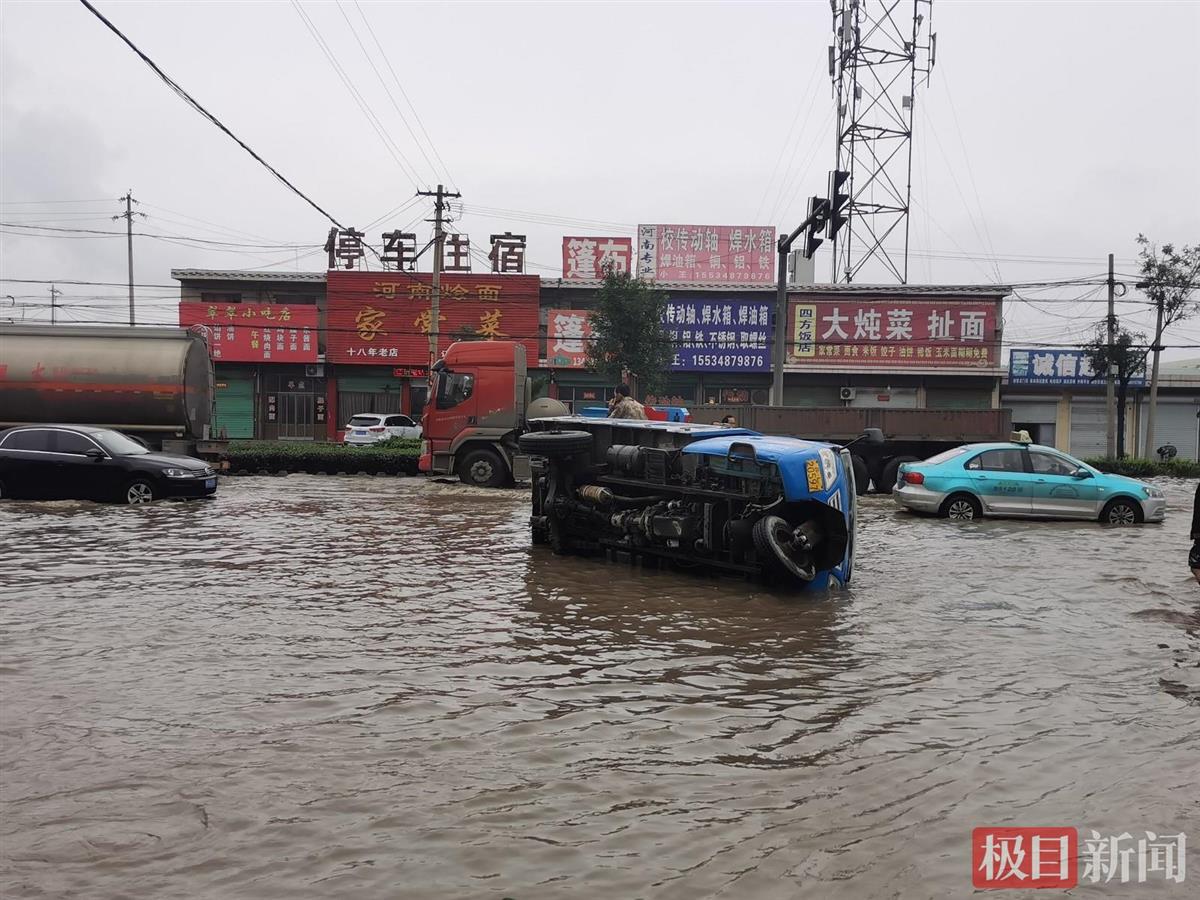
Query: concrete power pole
[(1155, 349), (439, 235), (128, 217), (1111, 390), (54, 292)]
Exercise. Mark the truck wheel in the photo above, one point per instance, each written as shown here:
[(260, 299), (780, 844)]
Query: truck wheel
[(555, 444), (772, 544), (891, 472), (482, 468), (862, 475)]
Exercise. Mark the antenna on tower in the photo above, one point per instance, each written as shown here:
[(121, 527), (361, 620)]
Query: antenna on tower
[(873, 63)]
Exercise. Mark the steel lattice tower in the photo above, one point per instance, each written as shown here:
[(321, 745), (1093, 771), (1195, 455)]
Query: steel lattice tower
[(878, 51)]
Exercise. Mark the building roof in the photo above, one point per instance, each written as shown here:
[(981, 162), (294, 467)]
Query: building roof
[(917, 290), (234, 275)]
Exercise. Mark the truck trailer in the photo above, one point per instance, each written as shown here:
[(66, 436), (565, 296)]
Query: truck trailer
[(153, 383), (481, 404)]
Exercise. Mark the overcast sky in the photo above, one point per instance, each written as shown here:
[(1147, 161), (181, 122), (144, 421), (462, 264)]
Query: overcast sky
[(1049, 135)]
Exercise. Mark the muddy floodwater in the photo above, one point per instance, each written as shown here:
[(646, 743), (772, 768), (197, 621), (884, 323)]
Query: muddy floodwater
[(375, 687)]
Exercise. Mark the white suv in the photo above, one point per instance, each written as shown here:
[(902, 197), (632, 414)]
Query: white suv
[(369, 428)]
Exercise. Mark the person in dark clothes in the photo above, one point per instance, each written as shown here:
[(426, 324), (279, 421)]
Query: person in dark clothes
[(1194, 556)]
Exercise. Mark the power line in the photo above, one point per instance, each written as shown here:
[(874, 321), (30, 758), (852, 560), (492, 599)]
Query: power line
[(409, 170), (192, 102)]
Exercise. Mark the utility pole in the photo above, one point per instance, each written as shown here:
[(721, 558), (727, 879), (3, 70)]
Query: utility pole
[(128, 217), (1155, 348), (1111, 391), (54, 292), (439, 207)]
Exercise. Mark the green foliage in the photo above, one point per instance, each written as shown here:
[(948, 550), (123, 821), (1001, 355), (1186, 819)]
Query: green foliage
[(628, 334), (1128, 354), (1147, 468), (1169, 278), (392, 456)]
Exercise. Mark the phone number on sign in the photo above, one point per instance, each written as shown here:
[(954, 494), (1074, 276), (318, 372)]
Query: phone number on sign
[(732, 360)]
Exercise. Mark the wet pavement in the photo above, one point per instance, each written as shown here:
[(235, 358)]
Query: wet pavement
[(374, 687)]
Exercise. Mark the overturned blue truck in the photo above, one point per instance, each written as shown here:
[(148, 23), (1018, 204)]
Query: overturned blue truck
[(723, 499)]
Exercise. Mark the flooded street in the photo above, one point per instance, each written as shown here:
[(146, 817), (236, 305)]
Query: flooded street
[(375, 687)]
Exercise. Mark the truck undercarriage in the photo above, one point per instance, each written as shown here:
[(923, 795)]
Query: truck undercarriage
[(694, 497)]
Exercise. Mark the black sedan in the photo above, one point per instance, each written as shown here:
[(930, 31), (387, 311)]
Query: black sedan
[(75, 462)]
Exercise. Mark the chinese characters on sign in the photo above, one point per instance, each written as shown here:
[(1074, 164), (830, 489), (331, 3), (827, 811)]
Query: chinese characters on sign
[(255, 332), (720, 335), (399, 251), (587, 257), (375, 319), (567, 334), (1058, 367), (1006, 858), (707, 254), (508, 253), (893, 332)]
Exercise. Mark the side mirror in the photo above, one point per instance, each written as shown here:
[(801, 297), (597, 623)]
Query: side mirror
[(872, 435), (1081, 474), (94, 453)]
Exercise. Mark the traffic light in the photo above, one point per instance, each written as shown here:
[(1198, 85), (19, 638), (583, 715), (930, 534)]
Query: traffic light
[(836, 203), (818, 212)]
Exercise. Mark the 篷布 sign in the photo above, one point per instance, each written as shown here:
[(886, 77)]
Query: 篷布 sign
[(707, 254), (588, 257), (567, 334), (255, 332), (901, 333), (1058, 367)]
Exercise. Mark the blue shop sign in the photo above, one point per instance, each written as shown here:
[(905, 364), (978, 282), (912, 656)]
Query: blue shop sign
[(1066, 368), (720, 335)]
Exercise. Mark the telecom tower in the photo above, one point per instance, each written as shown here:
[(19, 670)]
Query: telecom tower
[(877, 54)]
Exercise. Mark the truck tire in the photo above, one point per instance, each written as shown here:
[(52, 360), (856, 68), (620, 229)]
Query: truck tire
[(862, 475), (890, 473), (482, 468), (555, 444), (770, 533)]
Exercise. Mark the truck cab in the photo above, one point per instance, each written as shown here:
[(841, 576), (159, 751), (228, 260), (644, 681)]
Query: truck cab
[(476, 410)]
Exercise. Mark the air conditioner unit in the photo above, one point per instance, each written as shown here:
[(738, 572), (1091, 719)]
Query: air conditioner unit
[(314, 371), (847, 393), (760, 397)]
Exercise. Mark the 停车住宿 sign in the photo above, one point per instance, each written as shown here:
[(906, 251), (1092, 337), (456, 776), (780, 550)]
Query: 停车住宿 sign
[(707, 254), (385, 318), (255, 332), (588, 257), (901, 332), (1058, 367)]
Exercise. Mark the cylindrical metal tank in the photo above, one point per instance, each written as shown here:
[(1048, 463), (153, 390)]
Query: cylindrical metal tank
[(133, 379)]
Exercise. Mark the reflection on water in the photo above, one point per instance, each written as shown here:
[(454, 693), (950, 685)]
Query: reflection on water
[(374, 687)]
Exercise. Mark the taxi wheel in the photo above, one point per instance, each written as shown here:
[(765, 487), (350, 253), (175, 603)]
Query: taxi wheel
[(961, 508), (1120, 511)]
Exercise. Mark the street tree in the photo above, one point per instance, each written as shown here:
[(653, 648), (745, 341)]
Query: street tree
[(1128, 357), (628, 337), (1169, 278)]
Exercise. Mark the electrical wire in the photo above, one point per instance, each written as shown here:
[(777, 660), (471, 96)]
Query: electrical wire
[(194, 104)]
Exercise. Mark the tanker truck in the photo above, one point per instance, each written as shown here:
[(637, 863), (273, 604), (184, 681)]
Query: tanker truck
[(153, 383)]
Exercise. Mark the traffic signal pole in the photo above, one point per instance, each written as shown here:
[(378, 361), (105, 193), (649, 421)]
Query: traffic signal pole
[(779, 355)]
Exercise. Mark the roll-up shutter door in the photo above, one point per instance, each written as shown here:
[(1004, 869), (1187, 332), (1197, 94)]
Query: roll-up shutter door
[(234, 413), (1175, 423), (1089, 428), (1042, 412)]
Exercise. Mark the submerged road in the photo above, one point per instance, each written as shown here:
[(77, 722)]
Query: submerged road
[(374, 687)]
